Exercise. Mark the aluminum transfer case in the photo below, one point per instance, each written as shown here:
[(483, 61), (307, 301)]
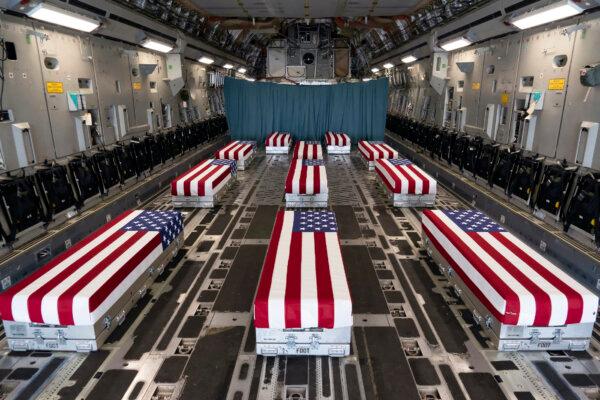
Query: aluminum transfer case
[(277, 149), (338, 149), (23, 336), (505, 337), (408, 200), (208, 201), (304, 342), (318, 200)]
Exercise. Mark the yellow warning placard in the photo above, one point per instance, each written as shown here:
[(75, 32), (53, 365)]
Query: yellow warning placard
[(476, 85), (137, 85), (54, 87), (556, 84), (504, 98)]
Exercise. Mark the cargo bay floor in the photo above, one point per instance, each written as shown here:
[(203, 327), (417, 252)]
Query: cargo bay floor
[(191, 336)]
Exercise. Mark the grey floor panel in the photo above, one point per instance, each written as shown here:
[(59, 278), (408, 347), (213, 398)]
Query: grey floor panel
[(481, 386), (211, 364), (390, 368), (262, 223), (112, 384), (238, 290), (367, 296)]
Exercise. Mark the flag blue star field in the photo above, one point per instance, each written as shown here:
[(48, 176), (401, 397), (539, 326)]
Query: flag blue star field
[(168, 223), (231, 163), (400, 161), (250, 142), (313, 163), (473, 221), (314, 221)]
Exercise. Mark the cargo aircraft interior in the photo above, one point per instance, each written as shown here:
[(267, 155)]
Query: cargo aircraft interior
[(299, 199)]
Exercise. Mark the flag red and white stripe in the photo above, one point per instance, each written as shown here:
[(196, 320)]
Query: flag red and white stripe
[(375, 150), (303, 283), (278, 139), (235, 150), (308, 150), (205, 179), (306, 177), (403, 177), (337, 139), (80, 285), (516, 284)]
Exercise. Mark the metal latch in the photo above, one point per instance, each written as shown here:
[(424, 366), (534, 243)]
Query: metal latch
[(557, 336), (60, 336), (37, 334), (314, 341), (488, 322), (457, 291), (291, 340), (535, 336)]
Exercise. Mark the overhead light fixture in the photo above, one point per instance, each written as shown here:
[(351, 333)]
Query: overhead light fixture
[(227, 66), (157, 45), (456, 44), (553, 12), (374, 70), (366, 79), (388, 65), (206, 60), (242, 70), (409, 59), (49, 13)]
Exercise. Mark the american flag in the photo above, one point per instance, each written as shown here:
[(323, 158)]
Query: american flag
[(402, 176), (80, 285), (400, 161), (236, 150), (373, 150), (230, 163), (204, 179), (515, 283), (307, 177), (308, 150), (160, 221), (303, 283), (337, 139), (278, 139)]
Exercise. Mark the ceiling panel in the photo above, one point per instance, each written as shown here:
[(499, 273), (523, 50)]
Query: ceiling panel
[(295, 8)]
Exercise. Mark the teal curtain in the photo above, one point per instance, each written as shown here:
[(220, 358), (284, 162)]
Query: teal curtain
[(255, 109)]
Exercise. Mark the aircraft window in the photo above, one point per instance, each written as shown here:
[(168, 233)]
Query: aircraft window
[(51, 63), (118, 86), (84, 83), (135, 71), (11, 51), (560, 61), (491, 69)]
